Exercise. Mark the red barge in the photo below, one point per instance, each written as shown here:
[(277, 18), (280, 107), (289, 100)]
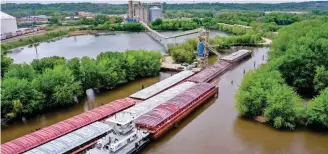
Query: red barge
[(165, 116)]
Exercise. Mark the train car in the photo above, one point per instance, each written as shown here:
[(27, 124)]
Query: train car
[(165, 116)]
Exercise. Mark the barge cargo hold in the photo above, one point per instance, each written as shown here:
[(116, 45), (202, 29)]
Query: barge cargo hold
[(73, 140), (126, 116), (165, 116), (211, 72), (54, 131), (237, 56), (162, 85)]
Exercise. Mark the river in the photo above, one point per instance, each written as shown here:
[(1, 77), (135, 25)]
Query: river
[(216, 127), (213, 128), (91, 46), (87, 45)]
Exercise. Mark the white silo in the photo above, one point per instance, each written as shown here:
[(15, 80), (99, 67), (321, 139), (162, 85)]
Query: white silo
[(155, 13)]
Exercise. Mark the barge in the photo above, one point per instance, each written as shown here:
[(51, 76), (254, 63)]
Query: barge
[(72, 141), (211, 72), (57, 130), (146, 114), (237, 56), (165, 116), (125, 137), (161, 86)]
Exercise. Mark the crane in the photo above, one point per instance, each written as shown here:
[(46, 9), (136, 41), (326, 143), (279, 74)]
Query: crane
[(204, 48)]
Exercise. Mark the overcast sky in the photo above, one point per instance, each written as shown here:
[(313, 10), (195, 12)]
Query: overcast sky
[(168, 1)]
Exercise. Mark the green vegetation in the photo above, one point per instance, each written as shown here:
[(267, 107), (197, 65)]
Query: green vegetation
[(317, 111), (249, 6), (237, 30), (32, 40), (240, 18), (189, 14), (32, 24), (131, 26), (183, 52), (296, 62), (248, 39), (113, 23), (158, 24), (53, 82), (66, 9)]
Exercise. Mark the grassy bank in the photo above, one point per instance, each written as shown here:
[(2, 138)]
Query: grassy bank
[(33, 39)]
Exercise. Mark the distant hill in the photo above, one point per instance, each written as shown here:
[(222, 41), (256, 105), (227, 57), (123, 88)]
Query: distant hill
[(72, 8)]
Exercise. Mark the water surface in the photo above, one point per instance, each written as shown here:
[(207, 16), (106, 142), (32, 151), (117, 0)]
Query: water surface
[(91, 46), (216, 127)]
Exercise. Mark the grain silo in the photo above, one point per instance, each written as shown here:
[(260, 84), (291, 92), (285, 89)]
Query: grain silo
[(8, 23), (155, 13)]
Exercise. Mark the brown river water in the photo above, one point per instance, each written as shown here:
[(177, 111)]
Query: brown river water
[(213, 128)]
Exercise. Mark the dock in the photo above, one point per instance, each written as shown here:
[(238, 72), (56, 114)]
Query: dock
[(168, 64)]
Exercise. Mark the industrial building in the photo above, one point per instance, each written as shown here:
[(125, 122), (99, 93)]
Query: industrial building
[(8, 23), (144, 14), (155, 13)]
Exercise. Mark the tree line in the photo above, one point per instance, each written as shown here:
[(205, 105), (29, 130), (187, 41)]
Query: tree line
[(73, 8), (297, 66), (54, 82)]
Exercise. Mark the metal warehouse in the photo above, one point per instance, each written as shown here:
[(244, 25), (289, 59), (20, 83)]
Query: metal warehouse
[(8, 23)]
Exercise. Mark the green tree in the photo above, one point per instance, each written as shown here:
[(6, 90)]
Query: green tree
[(40, 65), (317, 110), (58, 85), (91, 77), (320, 79), (15, 91), (54, 20), (5, 62), (21, 71), (157, 22), (100, 19)]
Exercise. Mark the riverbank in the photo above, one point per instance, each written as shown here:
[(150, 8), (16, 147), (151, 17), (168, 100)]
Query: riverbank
[(54, 82), (275, 90)]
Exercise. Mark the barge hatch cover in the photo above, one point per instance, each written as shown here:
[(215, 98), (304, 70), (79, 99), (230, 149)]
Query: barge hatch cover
[(162, 85)]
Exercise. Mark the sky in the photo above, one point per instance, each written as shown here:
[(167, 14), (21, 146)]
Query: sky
[(167, 1)]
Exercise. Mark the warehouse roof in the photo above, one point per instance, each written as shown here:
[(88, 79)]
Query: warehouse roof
[(6, 16)]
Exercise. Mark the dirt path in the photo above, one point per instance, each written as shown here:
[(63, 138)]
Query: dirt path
[(267, 41)]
